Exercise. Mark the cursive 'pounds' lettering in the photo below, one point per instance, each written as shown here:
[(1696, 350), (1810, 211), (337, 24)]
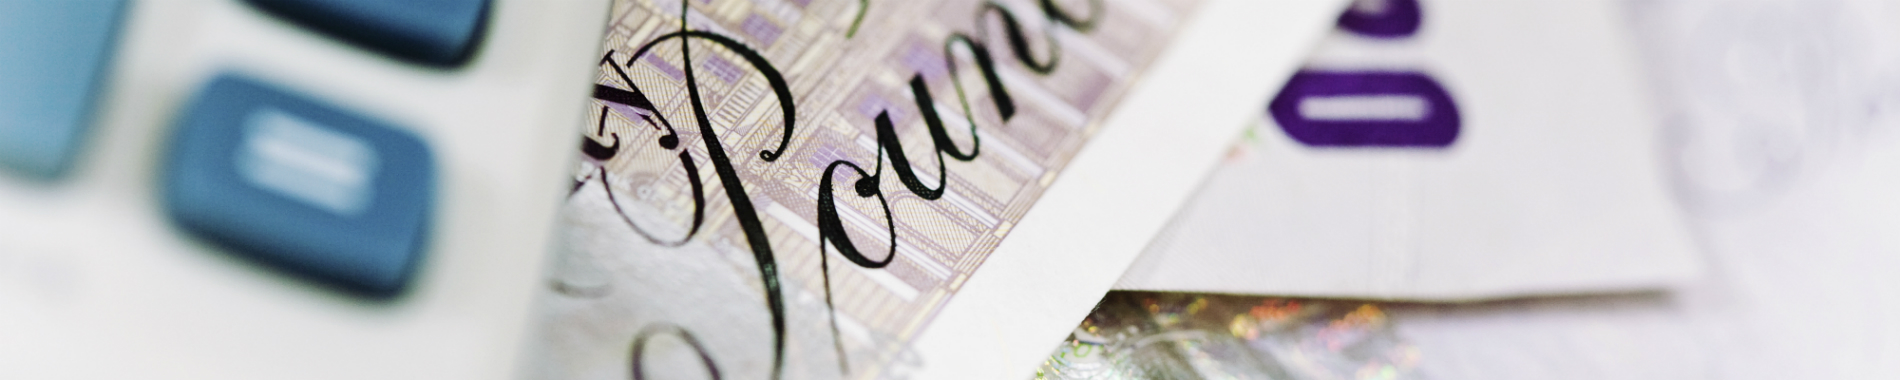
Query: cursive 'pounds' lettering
[(832, 232)]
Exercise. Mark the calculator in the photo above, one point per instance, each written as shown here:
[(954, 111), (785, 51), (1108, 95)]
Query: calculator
[(248, 189)]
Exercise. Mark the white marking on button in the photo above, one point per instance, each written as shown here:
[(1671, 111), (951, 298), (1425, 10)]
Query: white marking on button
[(1364, 108), (301, 160)]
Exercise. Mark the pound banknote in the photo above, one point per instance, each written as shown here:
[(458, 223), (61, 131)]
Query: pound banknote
[(821, 189)]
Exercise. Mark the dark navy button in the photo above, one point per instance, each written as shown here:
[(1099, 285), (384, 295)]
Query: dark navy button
[(435, 32), (53, 55), (304, 186)]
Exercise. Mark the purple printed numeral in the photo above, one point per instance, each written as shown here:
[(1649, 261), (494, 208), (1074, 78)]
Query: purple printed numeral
[(1382, 18), (1366, 109)]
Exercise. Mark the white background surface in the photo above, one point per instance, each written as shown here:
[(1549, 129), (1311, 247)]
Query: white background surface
[(1784, 115)]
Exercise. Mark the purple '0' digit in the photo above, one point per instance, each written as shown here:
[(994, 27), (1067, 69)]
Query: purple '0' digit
[(1366, 109), (1381, 18)]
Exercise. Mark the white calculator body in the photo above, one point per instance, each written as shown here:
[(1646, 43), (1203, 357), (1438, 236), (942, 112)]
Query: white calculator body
[(269, 189)]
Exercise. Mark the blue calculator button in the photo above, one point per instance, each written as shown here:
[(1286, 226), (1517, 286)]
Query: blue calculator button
[(435, 32), (301, 185), (52, 57)]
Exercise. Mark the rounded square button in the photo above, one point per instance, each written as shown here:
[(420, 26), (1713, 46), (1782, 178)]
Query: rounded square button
[(306, 187)]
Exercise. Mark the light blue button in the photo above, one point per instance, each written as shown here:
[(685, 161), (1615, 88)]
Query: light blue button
[(314, 190), (53, 55)]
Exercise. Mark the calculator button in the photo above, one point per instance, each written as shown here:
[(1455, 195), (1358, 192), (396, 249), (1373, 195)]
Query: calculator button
[(304, 186), (52, 57), (435, 32)]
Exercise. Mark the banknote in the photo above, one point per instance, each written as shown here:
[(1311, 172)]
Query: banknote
[(830, 189), (1158, 335), (1442, 150), (1781, 152)]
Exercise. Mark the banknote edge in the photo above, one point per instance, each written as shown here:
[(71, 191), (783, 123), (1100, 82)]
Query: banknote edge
[(1120, 189)]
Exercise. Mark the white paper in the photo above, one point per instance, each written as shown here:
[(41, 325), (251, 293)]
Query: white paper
[(1553, 184)]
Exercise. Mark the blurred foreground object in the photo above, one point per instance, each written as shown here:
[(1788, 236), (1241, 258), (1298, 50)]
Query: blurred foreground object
[(202, 189), (51, 68), (1496, 149)]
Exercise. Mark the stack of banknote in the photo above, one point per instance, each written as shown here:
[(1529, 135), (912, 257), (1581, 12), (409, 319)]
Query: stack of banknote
[(1765, 123), (945, 189)]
